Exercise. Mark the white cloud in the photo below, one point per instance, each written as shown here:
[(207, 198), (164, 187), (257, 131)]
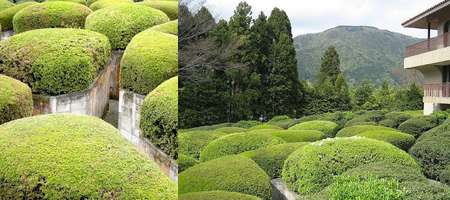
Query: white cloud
[(318, 15)]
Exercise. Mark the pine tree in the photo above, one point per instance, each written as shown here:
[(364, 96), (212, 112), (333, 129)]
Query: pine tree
[(280, 23), (240, 21), (363, 93), (330, 66)]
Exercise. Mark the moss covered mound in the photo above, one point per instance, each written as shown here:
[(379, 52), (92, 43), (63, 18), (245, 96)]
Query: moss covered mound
[(168, 27), (122, 22), (237, 143), (55, 61), (16, 100), (193, 142), (265, 126), (107, 3), (51, 15), (74, 1), (230, 173), (65, 156), (6, 15), (150, 58), (216, 195), (401, 140), (159, 116), (358, 129), (418, 125), (168, 7), (271, 158), (311, 168), (326, 127), (4, 4)]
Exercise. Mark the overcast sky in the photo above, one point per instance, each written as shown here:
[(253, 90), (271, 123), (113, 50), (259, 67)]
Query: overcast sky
[(311, 16)]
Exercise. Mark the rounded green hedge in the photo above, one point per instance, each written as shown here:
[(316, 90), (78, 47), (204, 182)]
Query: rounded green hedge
[(388, 170), (445, 175), (231, 129), (246, 123), (184, 162), (401, 140), (417, 125), (193, 142), (311, 168), (326, 127), (230, 173), (4, 4), (294, 135), (107, 3), (265, 126), (149, 59), (397, 118), (367, 118), (55, 61), (16, 100), (67, 156), (168, 7), (426, 190), (74, 1), (358, 129), (216, 195), (51, 15), (122, 22), (168, 27), (283, 121), (6, 15), (271, 158), (237, 143), (159, 116)]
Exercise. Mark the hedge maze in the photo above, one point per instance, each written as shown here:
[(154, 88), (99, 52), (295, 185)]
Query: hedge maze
[(61, 48)]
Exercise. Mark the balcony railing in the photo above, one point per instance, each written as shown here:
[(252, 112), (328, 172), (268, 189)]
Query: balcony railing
[(432, 44), (437, 90)]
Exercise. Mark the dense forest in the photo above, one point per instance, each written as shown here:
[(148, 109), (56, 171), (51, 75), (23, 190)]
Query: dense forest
[(246, 68)]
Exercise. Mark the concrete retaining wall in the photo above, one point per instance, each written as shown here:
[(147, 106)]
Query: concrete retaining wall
[(6, 34), (92, 101), (280, 191), (129, 115)]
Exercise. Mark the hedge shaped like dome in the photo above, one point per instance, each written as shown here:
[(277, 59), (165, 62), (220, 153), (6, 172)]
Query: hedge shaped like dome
[(231, 129), (184, 162), (401, 140), (16, 100), (159, 116), (358, 129), (418, 125), (168, 7), (75, 1), (122, 22), (326, 127), (311, 168), (149, 59), (246, 123), (271, 158), (168, 27), (216, 195), (237, 143), (230, 173), (291, 136), (51, 15), (193, 142), (107, 3), (6, 15), (265, 126), (55, 61), (66, 156), (4, 4)]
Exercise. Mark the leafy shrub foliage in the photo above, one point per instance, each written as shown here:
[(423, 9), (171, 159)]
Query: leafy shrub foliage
[(388, 170), (231, 129), (337, 117), (150, 58), (216, 195), (208, 128), (297, 135), (168, 27), (16, 100), (168, 7), (159, 116), (358, 129), (4, 4), (56, 154), (122, 22), (397, 118), (426, 190), (271, 158), (51, 15), (107, 3), (246, 123), (417, 125), (283, 121), (6, 15), (185, 162), (311, 168), (327, 127), (366, 117), (401, 140), (74, 1), (55, 61), (265, 126), (237, 143), (193, 142)]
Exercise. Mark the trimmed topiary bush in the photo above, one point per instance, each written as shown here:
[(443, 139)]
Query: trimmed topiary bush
[(295, 135), (208, 128), (367, 118), (122, 22), (265, 126), (168, 27), (311, 168), (246, 123), (107, 3), (184, 162), (358, 129), (388, 170), (216, 195), (6, 15), (51, 15), (237, 143), (326, 127), (417, 125), (231, 129), (397, 118), (150, 58), (401, 140), (230, 173), (74, 1), (426, 190), (283, 121), (168, 7), (4, 4), (338, 117), (159, 116), (16, 100), (55, 61), (271, 158), (66, 156), (193, 142), (445, 175)]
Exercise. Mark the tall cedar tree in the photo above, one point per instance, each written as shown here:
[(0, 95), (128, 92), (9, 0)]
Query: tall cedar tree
[(330, 65)]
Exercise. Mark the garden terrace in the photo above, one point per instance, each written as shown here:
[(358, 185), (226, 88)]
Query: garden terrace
[(15, 99)]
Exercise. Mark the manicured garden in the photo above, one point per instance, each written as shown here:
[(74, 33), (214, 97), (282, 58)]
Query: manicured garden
[(341, 155)]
